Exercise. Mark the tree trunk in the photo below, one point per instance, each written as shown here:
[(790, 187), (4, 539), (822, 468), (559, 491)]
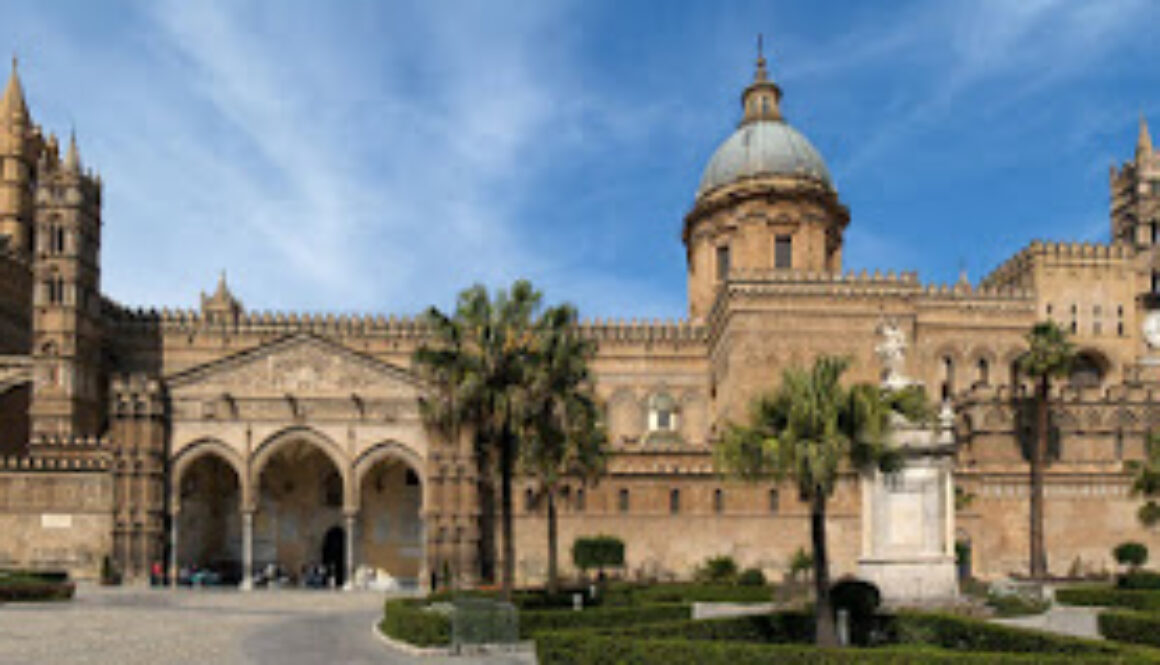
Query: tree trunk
[(826, 632), (1038, 566), (507, 464), (553, 574), (486, 488)]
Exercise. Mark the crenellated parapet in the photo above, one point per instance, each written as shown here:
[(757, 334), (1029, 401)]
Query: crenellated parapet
[(54, 464), (1018, 271), (641, 331), (179, 321)]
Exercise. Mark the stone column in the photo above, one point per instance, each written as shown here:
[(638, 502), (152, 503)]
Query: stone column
[(247, 550), (351, 524), (174, 564)]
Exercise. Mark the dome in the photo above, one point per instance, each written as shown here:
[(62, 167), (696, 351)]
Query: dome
[(764, 147)]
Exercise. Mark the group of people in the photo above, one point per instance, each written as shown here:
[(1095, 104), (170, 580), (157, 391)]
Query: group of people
[(311, 575)]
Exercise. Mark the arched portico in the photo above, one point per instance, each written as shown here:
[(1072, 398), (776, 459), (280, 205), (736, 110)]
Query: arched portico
[(207, 485), (391, 535)]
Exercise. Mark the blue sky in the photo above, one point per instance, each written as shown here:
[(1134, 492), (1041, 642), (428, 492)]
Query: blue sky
[(358, 156)]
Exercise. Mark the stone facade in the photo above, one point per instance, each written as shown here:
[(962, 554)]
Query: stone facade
[(227, 438)]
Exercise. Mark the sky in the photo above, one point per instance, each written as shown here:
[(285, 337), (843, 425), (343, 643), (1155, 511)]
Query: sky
[(357, 156)]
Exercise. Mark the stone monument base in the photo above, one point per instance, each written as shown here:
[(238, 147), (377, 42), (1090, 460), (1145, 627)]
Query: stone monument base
[(912, 579)]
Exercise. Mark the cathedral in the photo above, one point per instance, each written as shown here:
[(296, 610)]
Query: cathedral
[(238, 441)]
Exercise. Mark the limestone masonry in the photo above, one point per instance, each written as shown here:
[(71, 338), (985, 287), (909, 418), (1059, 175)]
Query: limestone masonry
[(247, 442)]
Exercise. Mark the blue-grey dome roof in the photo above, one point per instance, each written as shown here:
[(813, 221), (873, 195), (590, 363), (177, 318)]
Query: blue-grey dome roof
[(765, 147)]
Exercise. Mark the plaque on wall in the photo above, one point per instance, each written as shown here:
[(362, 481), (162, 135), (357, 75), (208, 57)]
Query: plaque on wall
[(55, 521)]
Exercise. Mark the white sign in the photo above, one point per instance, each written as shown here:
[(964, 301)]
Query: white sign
[(55, 521)]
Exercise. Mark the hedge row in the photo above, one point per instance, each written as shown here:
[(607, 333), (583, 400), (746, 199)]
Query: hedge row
[(585, 648), (1134, 627), (965, 634), (1147, 601), (30, 591), (532, 623), (412, 621), (697, 593), (913, 628), (19, 585), (415, 622)]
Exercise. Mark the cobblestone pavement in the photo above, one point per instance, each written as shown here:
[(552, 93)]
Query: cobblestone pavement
[(131, 626)]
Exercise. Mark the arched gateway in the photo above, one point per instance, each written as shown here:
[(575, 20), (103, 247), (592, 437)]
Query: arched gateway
[(299, 457)]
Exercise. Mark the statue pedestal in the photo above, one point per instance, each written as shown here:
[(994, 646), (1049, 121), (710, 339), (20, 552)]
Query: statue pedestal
[(908, 521)]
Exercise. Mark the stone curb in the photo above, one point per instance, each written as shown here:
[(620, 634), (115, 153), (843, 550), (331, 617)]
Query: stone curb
[(406, 647), (528, 647)]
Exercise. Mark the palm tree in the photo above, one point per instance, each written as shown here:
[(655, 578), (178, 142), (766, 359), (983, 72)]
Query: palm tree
[(1146, 480), (562, 435), (807, 429), (1050, 355), (477, 362)]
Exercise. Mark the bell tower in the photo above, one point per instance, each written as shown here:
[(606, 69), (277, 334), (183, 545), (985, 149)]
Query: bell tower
[(20, 146), (1135, 191), (67, 400)]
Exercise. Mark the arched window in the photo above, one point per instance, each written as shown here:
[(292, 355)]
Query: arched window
[(675, 501), (983, 372), (580, 500), (662, 413), (948, 378), (1087, 371), (622, 500), (718, 501), (774, 500)]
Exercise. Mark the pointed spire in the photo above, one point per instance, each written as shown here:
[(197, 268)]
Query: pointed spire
[(72, 159), (12, 103), (1144, 140)]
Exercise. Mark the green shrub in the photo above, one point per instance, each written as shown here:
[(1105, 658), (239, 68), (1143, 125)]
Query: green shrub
[(773, 628), (1131, 554), (1133, 599), (1139, 579), (1016, 605), (534, 622), (1134, 627), (584, 648), (717, 570), (751, 577), (414, 622), (802, 564), (701, 593), (598, 552), (964, 634)]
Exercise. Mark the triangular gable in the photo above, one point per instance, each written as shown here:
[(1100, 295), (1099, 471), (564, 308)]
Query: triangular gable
[(299, 364)]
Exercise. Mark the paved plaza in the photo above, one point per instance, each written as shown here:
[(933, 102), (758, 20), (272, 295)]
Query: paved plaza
[(129, 626)]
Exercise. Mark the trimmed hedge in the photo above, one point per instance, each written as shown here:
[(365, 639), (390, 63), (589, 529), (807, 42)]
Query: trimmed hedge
[(534, 622), (410, 620), (23, 586), (1133, 599), (964, 634), (1139, 579), (585, 648), (630, 594), (908, 628), (1134, 627)]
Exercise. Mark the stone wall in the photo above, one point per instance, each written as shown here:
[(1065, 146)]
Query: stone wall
[(56, 521)]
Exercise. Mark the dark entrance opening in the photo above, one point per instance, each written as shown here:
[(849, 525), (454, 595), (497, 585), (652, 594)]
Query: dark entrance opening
[(334, 554)]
